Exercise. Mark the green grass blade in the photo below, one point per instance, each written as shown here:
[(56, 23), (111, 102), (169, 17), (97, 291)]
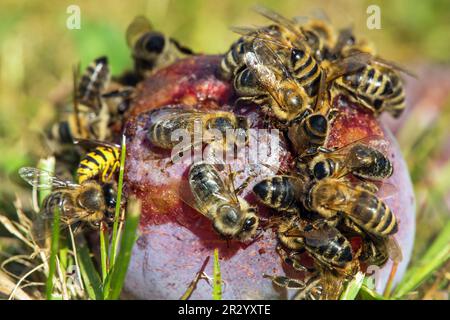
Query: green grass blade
[(217, 277), (436, 256), (89, 274), (128, 239), (115, 238), (103, 252), (53, 254), (366, 293), (353, 287)]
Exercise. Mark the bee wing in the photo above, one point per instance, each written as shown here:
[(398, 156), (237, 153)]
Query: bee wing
[(345, 36), (313, 237), (43, 224), (263, 61), (374, 141), (137, 27), (386, 190), (93, 143), (319, 237), (348, 65), (394, 250), (225, 193), (392, 65), (43, 179), (172, 112), (280, 20)]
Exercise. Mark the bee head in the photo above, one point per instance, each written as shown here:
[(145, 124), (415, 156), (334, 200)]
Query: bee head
[(233, 222)]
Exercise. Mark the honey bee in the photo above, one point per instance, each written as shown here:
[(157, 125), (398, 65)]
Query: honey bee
[(319, 34), (151, 49), (280, 193), (88, 203), (334, 260), (216, 198), (88, 117), (323, 242), (358, 158), (377, 88), (377, 85), (331, 197), (375, 250), (92, 83), (103, 161), (166, 120)]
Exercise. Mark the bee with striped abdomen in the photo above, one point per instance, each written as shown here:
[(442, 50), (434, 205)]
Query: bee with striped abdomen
[(330, 197), (102, 161), (152, 50), (323, 242), (216, 198), (280, 193), (359, 158), (332, 253), (217, 128), (93, 82)]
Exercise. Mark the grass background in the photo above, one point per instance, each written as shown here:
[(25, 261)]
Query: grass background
[(37, 53)]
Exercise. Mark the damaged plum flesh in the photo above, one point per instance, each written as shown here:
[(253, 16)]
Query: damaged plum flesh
[(175, 240)]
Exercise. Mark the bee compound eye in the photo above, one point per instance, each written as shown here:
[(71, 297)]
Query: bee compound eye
[(320, 170), (249, 223), (155, 43), (296, 55), (318, 122)]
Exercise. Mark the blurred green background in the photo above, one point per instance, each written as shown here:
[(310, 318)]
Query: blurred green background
[(37, 52)]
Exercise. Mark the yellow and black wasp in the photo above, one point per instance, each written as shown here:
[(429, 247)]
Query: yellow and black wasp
[(102, 162)]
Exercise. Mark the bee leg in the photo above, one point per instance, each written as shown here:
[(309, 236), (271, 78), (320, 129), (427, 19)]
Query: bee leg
[(369, 186), (285, 282), (291, 259), (312, 290)]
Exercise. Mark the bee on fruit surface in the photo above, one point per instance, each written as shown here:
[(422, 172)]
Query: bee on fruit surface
[(212, 127), (102, 161), (331, 198), (281, 30), (88, 203), (280, 192), (359, 158), (375, 250), (216, 198), (323, 242), (152, 50), (377, 85), (319, 34), (332, 253)]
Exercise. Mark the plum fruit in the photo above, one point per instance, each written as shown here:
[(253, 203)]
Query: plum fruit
[(175, 239)]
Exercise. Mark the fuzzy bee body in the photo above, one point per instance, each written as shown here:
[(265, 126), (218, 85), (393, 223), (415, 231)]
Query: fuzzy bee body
[(165, 121), (152, 50), (330, 196), (279, 193), (361, 160), (215, 197), (379, 89), (93, 82), (326, 244)]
